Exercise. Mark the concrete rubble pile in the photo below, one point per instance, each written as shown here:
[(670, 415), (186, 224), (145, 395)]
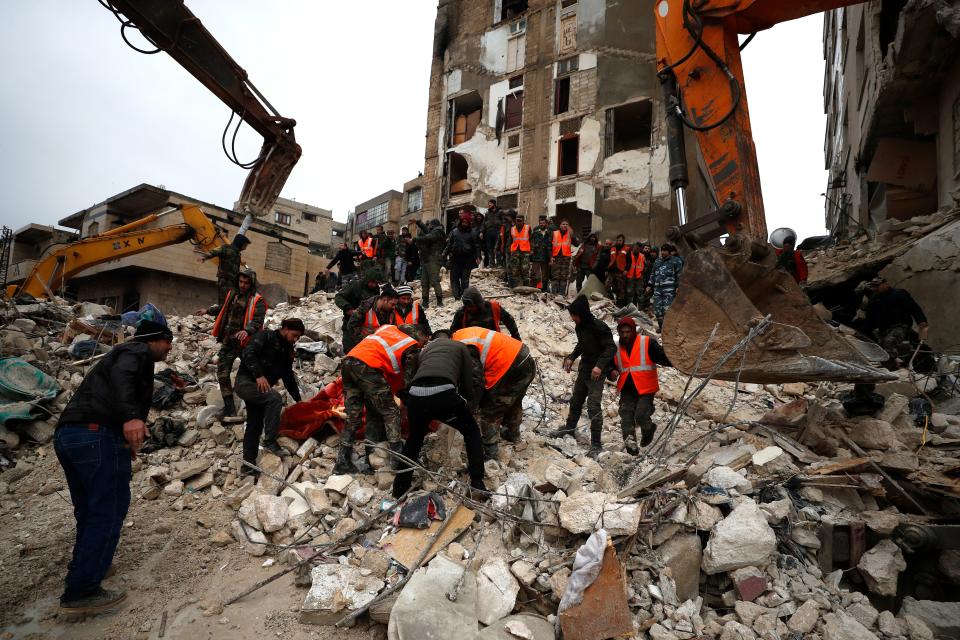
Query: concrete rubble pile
[(726, 529)]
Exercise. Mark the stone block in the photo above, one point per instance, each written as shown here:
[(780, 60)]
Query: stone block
[(682, 555)]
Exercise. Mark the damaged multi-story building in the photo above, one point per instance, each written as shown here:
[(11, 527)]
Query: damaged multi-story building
[(550, 107)]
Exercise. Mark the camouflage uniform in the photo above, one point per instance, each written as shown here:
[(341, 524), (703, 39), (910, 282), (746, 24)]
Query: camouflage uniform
[(230, 347), (228, 266), (349, 298), (504, 402), (541, 241), (430, 242), (355, 329), (666, 277), (560, 274), (365, 388)]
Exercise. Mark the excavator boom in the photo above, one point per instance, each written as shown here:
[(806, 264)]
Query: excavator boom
[(699, 66), (49, 275)]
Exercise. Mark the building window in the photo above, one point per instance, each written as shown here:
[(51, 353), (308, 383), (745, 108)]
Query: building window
[(514, 110), (561, 95), (458, 174), (507, 9), (568, 66), (375, 215), (513, 169), (279, 257), (513, 141), (568, 155), (309, 217), (283, 218), (414, 200), (629, 127), (516, 52), (567, 3)]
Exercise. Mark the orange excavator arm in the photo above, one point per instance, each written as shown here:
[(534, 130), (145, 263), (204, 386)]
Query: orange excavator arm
[(49, 275), (723, 292)]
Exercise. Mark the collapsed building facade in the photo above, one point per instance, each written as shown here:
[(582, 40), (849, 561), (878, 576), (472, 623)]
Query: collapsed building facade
[(550, 107)]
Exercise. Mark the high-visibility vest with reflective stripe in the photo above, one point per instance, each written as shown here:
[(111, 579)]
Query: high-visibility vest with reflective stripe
[(497, 351), (366, 247), (636, 268), (562, 243), (371, 320), (494, 311), (248, 314), (521, 239), (411, 318), (638, 365), (618, 258), (383, 351)]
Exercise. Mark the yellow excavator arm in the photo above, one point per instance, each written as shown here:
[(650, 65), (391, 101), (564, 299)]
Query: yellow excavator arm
[(50, 274)]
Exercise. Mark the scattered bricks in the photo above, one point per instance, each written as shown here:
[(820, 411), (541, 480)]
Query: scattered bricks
[(749, 582)]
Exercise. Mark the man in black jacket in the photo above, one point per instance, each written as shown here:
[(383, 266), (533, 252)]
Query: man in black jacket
[(348, 268), (97, 436), (267, 359), (595, 348), (447, 388), (889, 317), (477, 312), (463, 254)]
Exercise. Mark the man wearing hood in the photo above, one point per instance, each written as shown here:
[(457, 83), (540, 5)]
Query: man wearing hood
[(635, 370), (98, 435), (595, 348), (430, 243), (238, 318), (372, 314), (477, 312), (586, 258), (228, 263), (463, 253), (349, 298)]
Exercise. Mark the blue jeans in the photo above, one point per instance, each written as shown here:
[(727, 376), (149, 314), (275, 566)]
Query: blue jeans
[(97, 466)]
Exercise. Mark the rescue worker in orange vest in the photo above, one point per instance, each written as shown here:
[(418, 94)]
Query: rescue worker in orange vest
[(636, 375), (477, 312), (617, 271), (508, 370), (381, 366), (409, 311), (372, 314), (519, 262), (560, 258), (368, 250), (635, 286), (239, 317)]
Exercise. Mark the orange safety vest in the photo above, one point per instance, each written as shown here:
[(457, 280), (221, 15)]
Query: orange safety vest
[(383, 351), (562, 244), (411, 318), (636, 269), (521, 240), (248, 314), (366, 247), (494, 311), (497, 351), (371, 320), (639, 366), (618, 258)]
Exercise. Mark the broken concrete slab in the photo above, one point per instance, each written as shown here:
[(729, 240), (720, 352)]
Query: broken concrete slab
[(497, 591), (620, 519), (682, 555), (840, 626), (337, 590), (943, 618), (423, 610), (726, 478), (188, 468), (522, 626), (581, 513), (253, 541), (881, 567), (741, 539), (272, 512)]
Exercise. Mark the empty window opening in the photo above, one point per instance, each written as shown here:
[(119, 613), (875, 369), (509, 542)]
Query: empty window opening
[(513, 110), (508, 9), (513, 141), (466, 112), (561, 95), (629, 126), (458, 174), (309, 217), (568, 157), (889, 22), (567, 3), (414, 200), (284, 218)]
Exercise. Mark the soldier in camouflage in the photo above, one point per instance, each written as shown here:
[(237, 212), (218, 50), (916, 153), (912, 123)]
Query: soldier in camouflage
[(352, 296), (664, 281), (541, 242), (518, 240), (228, 263), (561, 250), (430, 241), (238, 318), (501, 406)]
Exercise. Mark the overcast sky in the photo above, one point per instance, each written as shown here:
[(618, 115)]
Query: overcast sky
[(84, 117)]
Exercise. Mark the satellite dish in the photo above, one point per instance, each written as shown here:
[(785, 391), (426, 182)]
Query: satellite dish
[(781, 234)]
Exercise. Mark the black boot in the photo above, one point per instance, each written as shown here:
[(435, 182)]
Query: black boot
[(559, 433), (647, 436), (276, 449), (364, 465), (630, 444), (344, 463), (395, 447), (595, 447), (490, 451), (229, 408)]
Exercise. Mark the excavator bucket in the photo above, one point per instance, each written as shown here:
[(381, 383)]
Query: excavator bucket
[(734, 288)]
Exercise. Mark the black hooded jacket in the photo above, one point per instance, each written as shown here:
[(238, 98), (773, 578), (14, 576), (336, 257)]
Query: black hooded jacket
[(595, 345), (270, 356)]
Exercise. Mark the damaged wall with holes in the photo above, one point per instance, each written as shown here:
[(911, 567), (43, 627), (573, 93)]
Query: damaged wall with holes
[(550, 107), (892, 96)]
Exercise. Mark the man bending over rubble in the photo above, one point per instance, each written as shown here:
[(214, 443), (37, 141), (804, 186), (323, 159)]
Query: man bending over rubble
[(508, 370), (239, 317), (97, 436), (380, 366), (267, 359), (446, 387), (477, 312), (636, 375), (595, 348)]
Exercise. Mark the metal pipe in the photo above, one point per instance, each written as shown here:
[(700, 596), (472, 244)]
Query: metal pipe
[(681, 194)]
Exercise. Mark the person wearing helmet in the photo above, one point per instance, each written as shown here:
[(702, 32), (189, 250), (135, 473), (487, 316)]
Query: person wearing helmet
[(238, 318), (791, 260), (228, 263)]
